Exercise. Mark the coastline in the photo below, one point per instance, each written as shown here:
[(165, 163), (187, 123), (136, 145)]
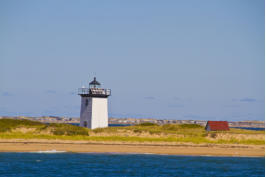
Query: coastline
[(22, 145)]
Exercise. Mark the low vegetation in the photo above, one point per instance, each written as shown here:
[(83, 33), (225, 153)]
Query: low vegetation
[(11, 126), (146, 132)]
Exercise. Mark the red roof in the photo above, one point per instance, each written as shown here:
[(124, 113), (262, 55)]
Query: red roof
[(217, 125)]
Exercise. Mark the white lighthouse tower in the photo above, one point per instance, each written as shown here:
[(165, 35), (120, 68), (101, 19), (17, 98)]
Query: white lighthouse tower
[(94, 107)]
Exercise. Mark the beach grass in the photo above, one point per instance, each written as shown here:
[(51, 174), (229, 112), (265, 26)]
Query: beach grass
[(148, 132), (194, 140)]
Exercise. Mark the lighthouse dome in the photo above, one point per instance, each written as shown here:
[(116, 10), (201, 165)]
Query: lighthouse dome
[(94, 83)]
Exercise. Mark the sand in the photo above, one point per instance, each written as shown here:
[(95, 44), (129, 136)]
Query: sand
[(139, 148)]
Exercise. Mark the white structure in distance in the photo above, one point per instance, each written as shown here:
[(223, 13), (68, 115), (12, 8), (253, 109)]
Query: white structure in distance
[(94, 105)]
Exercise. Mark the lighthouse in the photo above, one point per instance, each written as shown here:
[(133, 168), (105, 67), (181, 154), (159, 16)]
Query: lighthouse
[(94, 105)]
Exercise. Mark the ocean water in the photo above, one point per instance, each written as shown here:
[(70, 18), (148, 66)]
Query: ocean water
[(52, 163), (121, 125), (250, 128), (109, 125)]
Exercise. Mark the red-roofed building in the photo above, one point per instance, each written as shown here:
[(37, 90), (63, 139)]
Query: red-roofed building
[(217, 126)]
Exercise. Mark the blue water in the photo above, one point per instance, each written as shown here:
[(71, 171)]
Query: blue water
[(250, 128), (87, 164), (109, 125), (121, 125)]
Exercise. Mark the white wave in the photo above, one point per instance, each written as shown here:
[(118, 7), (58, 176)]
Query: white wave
[(51, 151)]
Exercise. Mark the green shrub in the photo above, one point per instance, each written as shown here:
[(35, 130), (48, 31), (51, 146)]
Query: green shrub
[(147, 124), (172, 127), (137, 131), (98, 130), (66, 129), (4, 129), (155, 132), (204, 135), (58, 132), (213, 135), (190, 126)]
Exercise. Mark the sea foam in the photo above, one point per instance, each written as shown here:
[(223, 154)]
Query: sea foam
[(51, 151)]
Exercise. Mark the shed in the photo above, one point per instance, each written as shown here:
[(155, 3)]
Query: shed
[(217, 126)]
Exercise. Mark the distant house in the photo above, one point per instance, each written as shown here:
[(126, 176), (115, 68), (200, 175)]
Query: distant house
[(217, 126)]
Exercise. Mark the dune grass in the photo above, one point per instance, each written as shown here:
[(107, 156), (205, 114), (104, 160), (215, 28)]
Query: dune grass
[(148, 132), (123, 139), (7, 125)]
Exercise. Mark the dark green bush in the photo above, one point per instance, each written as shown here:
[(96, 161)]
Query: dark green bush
[(154, 132), (66, 129), (58, 132), (190, 126), (4, 129), (213, 135), (147, 124), (98, 130), (137, 131), (172, 127), (204, 135)]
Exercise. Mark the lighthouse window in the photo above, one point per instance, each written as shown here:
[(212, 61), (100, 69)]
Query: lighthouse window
[(85, 123), (86, 102)]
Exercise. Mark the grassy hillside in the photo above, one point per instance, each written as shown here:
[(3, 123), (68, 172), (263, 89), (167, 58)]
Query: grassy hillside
[(147, 132)]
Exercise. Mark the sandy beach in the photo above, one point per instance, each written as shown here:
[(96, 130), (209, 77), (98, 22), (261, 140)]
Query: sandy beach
[(116, 147)]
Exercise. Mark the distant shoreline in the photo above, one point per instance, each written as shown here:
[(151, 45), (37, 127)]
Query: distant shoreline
[(136, 121), (132, 148)]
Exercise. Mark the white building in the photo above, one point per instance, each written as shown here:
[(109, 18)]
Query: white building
[(94, 106)]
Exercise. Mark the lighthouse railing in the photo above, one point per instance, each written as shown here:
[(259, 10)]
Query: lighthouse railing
[(94, 91), (83, 91)]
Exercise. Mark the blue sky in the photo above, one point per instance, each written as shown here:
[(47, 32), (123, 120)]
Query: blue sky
[(184, 59)]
